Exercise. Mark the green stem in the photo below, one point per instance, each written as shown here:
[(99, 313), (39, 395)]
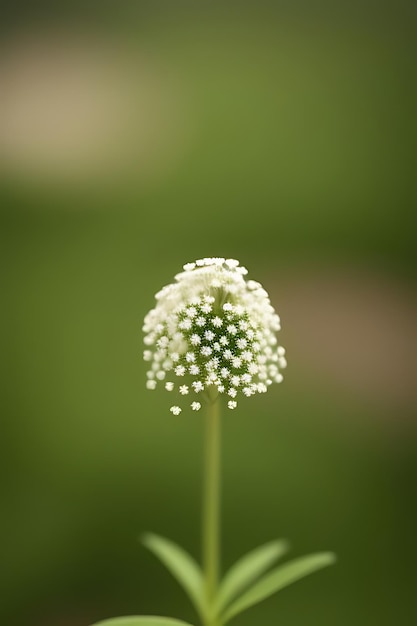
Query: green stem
[(211, 509)]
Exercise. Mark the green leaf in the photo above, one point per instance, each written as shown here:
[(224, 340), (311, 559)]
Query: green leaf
[(278, 579), (141, 620), (181, 565), (248, 569)]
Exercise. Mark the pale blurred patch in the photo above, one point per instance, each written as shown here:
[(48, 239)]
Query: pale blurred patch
[(352, 329), (75, 107)]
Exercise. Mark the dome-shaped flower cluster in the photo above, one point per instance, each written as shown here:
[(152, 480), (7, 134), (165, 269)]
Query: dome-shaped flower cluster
[(212, 332)]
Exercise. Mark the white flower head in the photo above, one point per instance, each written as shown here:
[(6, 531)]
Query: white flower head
[(211, 319)]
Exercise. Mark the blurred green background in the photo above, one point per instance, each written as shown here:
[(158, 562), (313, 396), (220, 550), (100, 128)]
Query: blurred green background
[(136, 137)]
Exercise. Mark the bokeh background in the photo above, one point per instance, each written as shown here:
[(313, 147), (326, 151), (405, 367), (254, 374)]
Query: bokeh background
[(138, 136)]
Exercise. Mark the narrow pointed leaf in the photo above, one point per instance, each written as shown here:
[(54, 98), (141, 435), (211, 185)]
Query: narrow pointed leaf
[(248, 569), (141, 620), (278, 579), (181, 565)]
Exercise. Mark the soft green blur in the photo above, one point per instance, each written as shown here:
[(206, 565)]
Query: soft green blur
[(135, 139)]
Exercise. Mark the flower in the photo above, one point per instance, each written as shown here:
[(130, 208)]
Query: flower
[(213, 331)]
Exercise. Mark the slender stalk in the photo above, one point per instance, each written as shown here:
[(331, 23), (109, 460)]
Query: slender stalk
[(211, 509)]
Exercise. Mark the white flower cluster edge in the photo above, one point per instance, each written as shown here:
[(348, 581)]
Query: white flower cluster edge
[(213, 332)]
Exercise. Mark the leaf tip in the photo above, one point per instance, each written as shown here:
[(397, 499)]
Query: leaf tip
[(326, 558), (331, 557), (146, 538), (283, 545)]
